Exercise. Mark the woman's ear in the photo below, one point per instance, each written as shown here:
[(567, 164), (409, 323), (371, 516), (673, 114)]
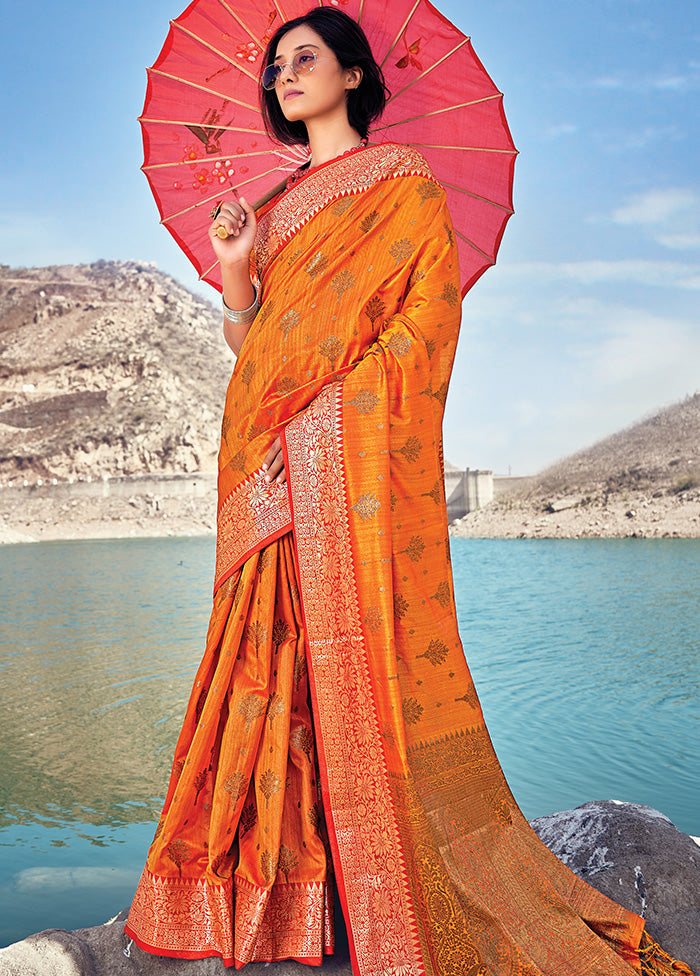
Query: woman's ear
[(353, 77)]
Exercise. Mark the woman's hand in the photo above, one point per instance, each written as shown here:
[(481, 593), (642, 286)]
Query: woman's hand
[(273, 464), (237, 218)]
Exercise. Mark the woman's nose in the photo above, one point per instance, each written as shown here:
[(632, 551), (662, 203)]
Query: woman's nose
[(286, 70)]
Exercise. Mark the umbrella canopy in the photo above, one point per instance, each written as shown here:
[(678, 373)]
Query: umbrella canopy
[(203, 134)]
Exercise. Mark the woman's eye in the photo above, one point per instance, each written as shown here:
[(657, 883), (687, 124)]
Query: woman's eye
[(304, 58)]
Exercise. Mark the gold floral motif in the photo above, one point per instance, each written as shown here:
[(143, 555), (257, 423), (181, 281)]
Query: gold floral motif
[(317, 264), (236, 786), (280, 632), (249, 818), (442, 594), (268, 866), (265, 560), (237, 462), (178, 851), (411, 449), (269, 783), (265, 312), (251, 707), (427, 190), (302, 738), (412, 710), (342, 205), (400, 606), (342, 282), (402, 250), (450, 294), (288, 860), (290, 320), (415, 548), (436, 653), (331, 348), (299, 669), (374, 309), (286, 385), (399, 344), (367, 506), (435, 492), (365, 401), (248, 372), (450, 235), (275, 707), (369, 221), (374, 619), (430, 347), (256, 633)]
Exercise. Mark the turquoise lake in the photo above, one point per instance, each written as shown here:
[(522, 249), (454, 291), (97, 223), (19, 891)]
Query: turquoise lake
[(585, 655)]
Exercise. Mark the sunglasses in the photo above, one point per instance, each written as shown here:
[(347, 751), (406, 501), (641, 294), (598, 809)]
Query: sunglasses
[(302, 63)]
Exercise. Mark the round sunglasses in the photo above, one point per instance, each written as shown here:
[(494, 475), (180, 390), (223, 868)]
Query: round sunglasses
[(302, 63)]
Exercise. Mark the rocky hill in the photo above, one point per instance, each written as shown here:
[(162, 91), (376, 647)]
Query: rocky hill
[(111, 369), (641, 481)]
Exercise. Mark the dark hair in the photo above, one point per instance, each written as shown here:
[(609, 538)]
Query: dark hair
[(348, 42)]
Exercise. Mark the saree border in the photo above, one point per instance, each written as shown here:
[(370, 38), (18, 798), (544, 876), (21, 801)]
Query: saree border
[(208, 909), (254, 514), (343, 177), (370, 865)]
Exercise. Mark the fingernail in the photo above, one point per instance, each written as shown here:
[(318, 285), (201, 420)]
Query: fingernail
[(264, 467)]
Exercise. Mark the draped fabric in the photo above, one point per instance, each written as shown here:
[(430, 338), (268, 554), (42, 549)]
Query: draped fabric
[(438, 872)]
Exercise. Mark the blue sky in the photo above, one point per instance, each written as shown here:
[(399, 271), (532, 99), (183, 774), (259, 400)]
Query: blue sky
[(590, 319)]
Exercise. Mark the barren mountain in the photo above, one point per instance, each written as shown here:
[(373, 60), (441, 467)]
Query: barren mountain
[(107, 370), (642, 481)]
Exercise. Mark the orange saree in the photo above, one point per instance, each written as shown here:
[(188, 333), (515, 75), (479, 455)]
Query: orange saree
[(333, 727)]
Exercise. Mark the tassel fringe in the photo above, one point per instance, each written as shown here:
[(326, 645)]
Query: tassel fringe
[(656, 962)]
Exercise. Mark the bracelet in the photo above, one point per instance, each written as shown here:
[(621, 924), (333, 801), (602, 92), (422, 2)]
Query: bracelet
[(245, 315)]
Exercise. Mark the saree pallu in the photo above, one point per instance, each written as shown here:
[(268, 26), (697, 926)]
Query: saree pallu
[(438, 872)]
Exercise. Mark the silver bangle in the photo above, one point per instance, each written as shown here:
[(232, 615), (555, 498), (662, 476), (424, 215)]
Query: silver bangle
[(245, 315)]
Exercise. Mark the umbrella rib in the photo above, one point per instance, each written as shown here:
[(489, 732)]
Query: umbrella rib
[(208, 271), (239, 21), (209, 91), (438, 111), (203, 125), (428, 70), (210, 47), (475, 196), (215, 196), (402, 29), (209, 159), (487, 257), (360, 12), (425, 145)]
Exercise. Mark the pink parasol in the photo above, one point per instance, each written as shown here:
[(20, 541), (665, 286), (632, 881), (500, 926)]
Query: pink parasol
[(203, 135)]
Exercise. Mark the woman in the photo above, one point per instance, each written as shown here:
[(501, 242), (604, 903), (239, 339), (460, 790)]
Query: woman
[(333, 658)]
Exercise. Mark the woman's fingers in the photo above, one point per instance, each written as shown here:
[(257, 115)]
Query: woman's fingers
[(273, 464)]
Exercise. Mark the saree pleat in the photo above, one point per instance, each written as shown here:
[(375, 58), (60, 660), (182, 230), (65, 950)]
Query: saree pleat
[(238, 866), (438, 872)]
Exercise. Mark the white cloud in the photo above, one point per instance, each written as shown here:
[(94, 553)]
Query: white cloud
[(658, 274), (656, 206), (678, 82), (670, 215)]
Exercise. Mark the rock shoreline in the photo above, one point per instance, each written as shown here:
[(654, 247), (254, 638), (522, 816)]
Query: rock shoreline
[(636, 515), (630, 853)]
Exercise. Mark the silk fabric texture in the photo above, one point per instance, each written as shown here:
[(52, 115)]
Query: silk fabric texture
[(341, 578)]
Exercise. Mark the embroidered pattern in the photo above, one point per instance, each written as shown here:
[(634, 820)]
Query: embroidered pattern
[(254, 513), (297, 920), (191, 918), (341, 178), (378, 896)]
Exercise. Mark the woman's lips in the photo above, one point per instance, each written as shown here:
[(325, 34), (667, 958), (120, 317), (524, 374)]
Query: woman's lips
[(292, 93)]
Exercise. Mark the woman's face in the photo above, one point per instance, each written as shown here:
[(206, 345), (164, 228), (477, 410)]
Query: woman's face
[(322, 92)]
